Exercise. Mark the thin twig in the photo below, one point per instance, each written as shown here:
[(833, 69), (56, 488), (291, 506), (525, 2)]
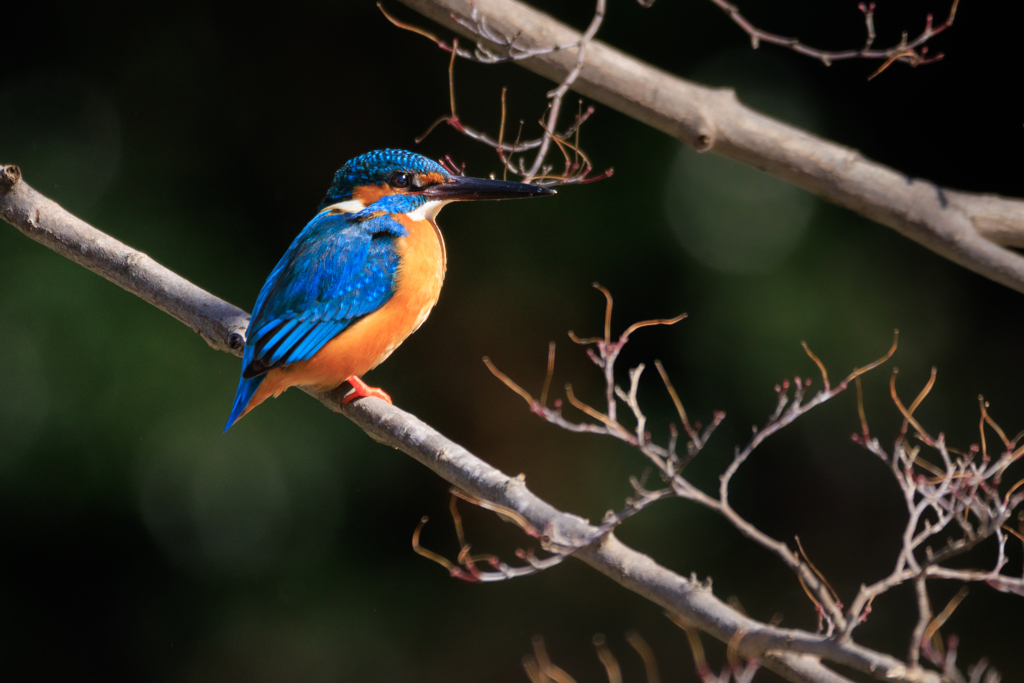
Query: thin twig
[(966, 228), (913, 52)]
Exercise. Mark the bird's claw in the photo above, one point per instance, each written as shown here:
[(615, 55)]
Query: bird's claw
[(362, 390)]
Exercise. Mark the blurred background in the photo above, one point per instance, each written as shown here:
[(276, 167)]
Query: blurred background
[(139, 543)]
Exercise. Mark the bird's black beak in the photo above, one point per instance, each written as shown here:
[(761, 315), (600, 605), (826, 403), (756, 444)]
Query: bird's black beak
[(461, 188)]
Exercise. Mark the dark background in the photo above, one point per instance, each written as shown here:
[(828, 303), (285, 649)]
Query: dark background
[(139, 543)]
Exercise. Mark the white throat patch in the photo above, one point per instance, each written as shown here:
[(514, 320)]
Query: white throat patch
[(350, 206), (428, 211)]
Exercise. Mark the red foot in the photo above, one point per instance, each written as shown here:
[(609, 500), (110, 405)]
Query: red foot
[(361, 390)]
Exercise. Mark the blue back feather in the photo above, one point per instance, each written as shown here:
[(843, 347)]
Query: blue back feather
[(339, 268)]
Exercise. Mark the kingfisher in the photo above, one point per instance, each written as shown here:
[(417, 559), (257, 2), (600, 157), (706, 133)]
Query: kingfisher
[(361, 277)]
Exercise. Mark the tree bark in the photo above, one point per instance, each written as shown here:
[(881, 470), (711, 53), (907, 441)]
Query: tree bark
[(967, 228)]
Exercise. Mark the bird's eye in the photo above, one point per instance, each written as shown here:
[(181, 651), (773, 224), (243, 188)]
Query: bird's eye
[(400, 179)]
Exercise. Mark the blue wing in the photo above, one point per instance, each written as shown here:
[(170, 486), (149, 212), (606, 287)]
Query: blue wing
[(339, 269), (246, 390)]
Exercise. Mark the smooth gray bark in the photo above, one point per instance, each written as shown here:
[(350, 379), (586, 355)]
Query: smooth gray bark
[(967, 228)]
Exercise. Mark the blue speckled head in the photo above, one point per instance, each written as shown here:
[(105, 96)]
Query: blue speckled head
[(377, 167)]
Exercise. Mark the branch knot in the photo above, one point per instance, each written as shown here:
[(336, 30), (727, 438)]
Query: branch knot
[(9, 177)]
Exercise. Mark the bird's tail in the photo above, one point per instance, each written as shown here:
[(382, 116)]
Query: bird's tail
[(246, 389)]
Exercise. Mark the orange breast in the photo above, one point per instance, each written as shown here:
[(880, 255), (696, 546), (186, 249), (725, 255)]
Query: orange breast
[(366, 343)]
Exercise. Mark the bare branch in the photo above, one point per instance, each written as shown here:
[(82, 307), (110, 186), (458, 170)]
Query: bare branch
[(219, 323), (558, 93), (792, 653), (540, 668), (604, 352), (577, 167), (967, 228), (467, 566), (961, 500), (912, 52), (646, 654), (611, 665), (957, 502)]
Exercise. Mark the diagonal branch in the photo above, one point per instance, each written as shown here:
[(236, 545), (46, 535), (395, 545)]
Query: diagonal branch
[(967, 228), (793, 653), (219, 323)]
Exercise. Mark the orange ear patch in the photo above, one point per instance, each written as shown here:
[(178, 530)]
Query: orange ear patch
[(368, 194)]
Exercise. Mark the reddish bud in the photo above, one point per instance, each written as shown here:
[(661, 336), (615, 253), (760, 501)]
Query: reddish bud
[(458, 573)]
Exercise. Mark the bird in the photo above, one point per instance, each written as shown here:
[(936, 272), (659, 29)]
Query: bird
[(361, 277)]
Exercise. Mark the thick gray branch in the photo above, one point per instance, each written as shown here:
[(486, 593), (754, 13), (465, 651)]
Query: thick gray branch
[(967, 228), (45, 221), (792, 653)]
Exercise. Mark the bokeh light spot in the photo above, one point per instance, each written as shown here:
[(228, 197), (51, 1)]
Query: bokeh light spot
[(731, 217), (223, 510)]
